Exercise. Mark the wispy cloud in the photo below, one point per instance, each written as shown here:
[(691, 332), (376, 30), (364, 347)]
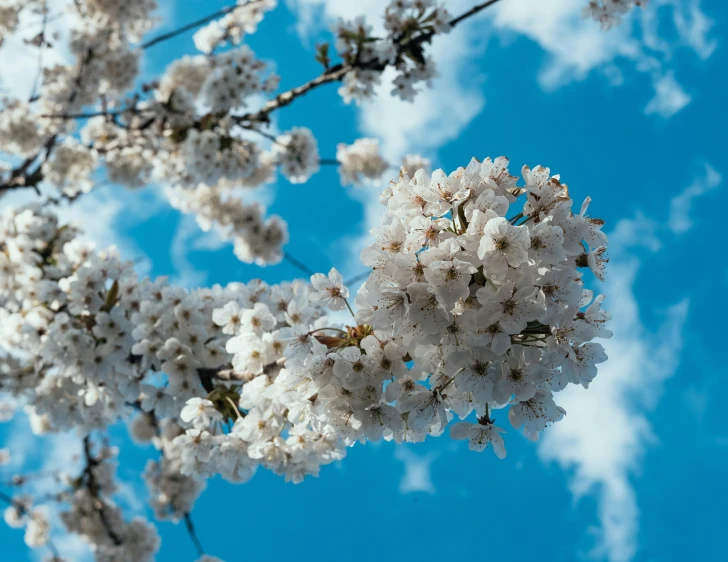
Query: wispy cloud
[(645, 42), (669, 97), (694, 27), (184, 238), (681, 205), (605, 432), (416, 476), (603, 438)]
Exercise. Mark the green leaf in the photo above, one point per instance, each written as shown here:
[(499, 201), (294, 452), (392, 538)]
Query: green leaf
[(322, 54), (111, 297)]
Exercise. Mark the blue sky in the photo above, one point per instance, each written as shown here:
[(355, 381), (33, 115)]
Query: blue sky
[(636, 119)]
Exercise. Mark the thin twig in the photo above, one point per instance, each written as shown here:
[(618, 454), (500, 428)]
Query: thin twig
[(471, 12), (197, 23), (41, 51), (357, 278), (95, 490), (190, 526), (281, 100), (332, 74), (7, 499), (300, 265)]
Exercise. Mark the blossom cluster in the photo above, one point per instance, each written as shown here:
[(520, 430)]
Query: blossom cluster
[(466, 312), (89, 513), (255, 239), (360, 161), (408, 24), (232, 27), (187, 129), (98, 521), (262, 429), (492, 309), (609, 12), (476, 302), (476, 298)]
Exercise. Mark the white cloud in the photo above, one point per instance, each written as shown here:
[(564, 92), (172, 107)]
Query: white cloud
[(669, 97), (693, 26), (575, 47), (681, 205), (185, 235), (416, 476), (606, 430)]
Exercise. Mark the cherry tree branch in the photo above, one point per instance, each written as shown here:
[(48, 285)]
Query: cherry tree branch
[(192, 25), (41, 51), (298, 264), (95, 489), (337, 72), (190, 526), (19, 178), (357, 278), (472, 11)]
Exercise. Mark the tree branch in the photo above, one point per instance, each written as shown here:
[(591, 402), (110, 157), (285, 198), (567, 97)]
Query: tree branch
[(192, 25), (333, 74), (471, 12), (300, 265), (357, 278), (337, 72), (190, 526), (94, 489)]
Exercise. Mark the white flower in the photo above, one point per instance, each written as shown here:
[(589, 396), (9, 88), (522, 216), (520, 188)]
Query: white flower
[(480, 436), (329, 291), (251, 354), (535, 414), (229, 317), (200, 413), (258, 319), (503, 245), (352, 367), (450, 280), (360, 161), (547, 243), (298, 154), (425, 409), (38, 529)]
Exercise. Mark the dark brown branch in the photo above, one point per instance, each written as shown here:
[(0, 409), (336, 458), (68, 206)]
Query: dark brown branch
[(357, 278), (332, 74), (20, 178), (190, 526), (300, 265), (282, 100), (337, 72), (197, 23), (95, 490), (41, 47), (471, 12)]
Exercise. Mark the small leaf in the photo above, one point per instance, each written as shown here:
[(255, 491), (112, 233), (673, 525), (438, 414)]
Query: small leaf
[(111, 297), (322, 54)]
